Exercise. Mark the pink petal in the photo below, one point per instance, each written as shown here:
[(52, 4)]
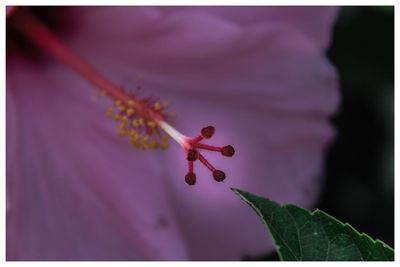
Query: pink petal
[(299, 18), (180, 49), (75, 190), (272, 102), (267, 89), (264, 84)]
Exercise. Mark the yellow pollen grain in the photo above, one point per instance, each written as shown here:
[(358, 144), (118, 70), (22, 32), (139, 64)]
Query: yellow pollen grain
[(154, 144), (157, 106), (164, 145), (151, 124), (130, 103), (134, 135), (122, 108), (135, 123), (125, 119), (139, 130), (135, 141), (117, 117), (130, 112)]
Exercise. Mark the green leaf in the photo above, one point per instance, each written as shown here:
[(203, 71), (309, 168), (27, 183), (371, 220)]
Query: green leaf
[(301, 235)]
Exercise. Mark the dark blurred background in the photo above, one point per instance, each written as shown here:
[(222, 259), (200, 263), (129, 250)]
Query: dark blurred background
[(359, 182), (359, 186)]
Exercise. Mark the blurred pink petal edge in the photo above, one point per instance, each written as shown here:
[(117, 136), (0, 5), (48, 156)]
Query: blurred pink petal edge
[(76, 191)]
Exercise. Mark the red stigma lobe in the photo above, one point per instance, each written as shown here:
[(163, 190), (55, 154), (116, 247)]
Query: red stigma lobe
[(192, 147)]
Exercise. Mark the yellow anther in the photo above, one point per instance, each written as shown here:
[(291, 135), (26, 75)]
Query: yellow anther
[(135, 123), (130, 103), (142, 132), (130, 112), (134, 134), (154, 144), (125, 119), (134, 139), (157, 106), (109, 112), (151, 124), (122, 108), (117, 117), (164, 145), (103, 92)]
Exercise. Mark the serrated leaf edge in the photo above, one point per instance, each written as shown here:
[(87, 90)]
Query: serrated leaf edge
[(360, 234), (312, 213)]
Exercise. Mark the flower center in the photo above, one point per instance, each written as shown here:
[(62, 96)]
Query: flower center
[(144, 121)]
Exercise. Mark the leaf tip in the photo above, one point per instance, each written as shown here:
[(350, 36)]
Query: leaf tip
[(240, 193), (235, 190)]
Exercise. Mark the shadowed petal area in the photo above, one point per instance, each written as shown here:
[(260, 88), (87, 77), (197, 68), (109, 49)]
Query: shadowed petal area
[(260, 77)]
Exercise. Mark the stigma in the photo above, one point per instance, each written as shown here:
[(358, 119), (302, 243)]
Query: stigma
[(193, 146)]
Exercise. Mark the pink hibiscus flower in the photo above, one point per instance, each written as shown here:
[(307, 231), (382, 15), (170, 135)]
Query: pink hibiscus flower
[(76, 191)]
